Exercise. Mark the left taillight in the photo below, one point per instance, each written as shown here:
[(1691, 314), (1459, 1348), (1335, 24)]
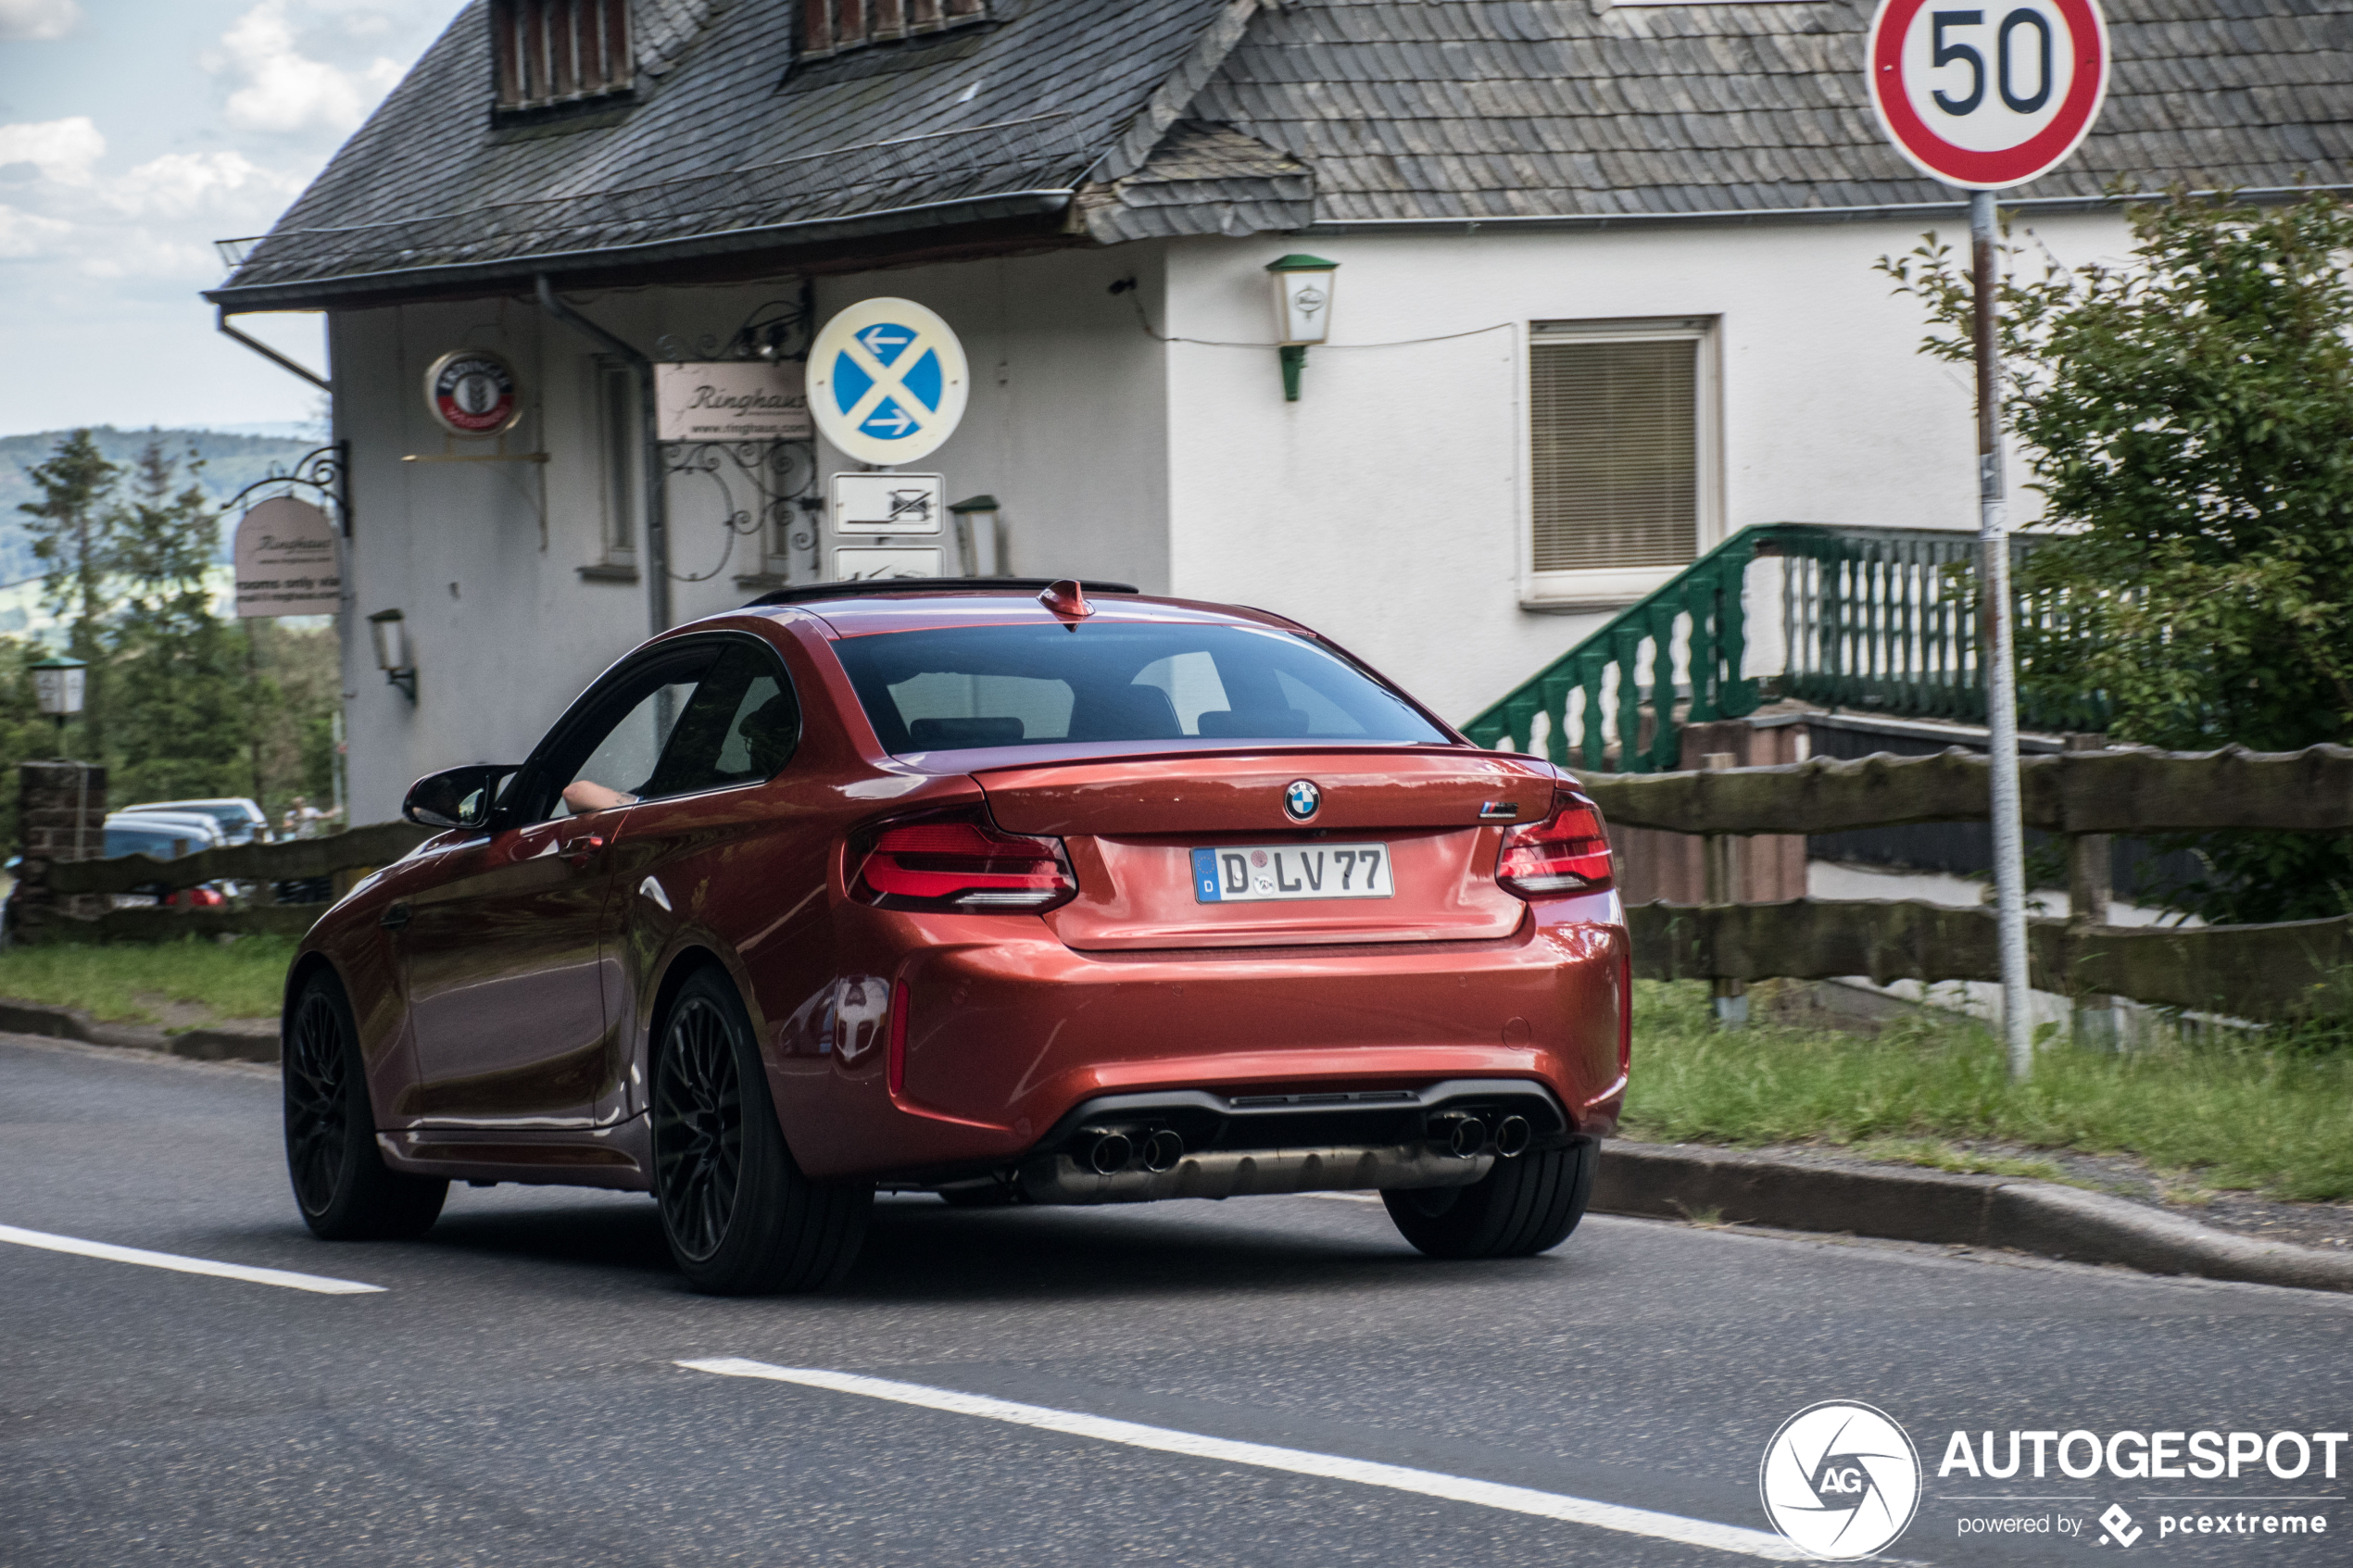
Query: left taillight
[(1568, 852), (958, 862)]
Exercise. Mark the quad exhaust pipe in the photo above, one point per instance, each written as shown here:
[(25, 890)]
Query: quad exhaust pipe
[(1465, 1136), (1460, 1134), (1109, 1150)]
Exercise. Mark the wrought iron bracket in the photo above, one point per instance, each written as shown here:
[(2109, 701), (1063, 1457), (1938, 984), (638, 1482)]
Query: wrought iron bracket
[(761, 484), (326, 470)]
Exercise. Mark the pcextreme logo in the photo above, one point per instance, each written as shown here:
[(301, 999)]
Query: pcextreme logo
[(1840, 1480)]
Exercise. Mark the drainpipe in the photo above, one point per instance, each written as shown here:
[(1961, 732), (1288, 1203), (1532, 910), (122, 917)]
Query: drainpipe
[(657, 527), (221, 323)]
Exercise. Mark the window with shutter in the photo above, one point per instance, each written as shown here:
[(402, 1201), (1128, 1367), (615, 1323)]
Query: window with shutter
[(828, 26), (552, 52), (1620, 466)]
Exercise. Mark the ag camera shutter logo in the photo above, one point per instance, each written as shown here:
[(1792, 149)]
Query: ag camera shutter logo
[(1840, 1480)]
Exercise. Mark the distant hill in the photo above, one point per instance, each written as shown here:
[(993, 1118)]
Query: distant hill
[(231, 462)]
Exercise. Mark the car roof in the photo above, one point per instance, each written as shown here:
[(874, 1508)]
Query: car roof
[(237, 800), (161, 819), (858, 610)]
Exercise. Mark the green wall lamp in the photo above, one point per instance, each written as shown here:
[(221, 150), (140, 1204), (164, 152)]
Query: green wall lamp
[(1303, 311)]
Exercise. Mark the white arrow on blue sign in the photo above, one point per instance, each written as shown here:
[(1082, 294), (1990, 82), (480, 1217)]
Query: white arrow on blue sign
[(887, 382)]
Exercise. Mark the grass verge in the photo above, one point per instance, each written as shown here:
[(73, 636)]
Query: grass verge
[(2234, 1116), (120, 982)]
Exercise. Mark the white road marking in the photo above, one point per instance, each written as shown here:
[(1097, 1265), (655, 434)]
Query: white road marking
[(1346, 1197), (109, 1251), (1299, 1462)]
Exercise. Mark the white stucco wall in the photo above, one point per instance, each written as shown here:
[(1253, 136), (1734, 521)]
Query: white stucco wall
[(1065, 426), (1068, 417), (1387, 507)]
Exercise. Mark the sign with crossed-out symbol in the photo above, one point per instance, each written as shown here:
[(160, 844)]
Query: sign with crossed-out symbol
[(887, 382)]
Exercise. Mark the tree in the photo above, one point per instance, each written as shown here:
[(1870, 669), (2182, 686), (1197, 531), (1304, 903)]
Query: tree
[(2189, 423), (182, 713), (72, 532)]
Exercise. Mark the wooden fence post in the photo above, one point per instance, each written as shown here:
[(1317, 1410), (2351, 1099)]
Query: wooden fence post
[(1720, 860), (2091, 884)]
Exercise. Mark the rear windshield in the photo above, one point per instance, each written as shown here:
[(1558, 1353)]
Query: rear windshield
[(163, 846), (1034, 685)]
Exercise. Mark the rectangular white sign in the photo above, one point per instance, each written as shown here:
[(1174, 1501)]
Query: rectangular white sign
[(732, 400), (889, 503), (863, 563)]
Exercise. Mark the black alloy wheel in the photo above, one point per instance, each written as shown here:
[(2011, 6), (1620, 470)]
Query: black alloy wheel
[(740, 1218), (698, 1122), (345, 1189), (317, 1095), (1521, 1207)]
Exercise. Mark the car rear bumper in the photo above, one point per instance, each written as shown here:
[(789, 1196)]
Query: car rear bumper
[(1005, 1039)]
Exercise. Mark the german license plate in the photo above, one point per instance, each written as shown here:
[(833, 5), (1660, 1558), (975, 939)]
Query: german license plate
[(1253, 873)]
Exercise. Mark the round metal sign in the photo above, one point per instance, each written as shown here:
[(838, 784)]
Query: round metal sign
[(887, 382), (473, 392), (1988, 99)]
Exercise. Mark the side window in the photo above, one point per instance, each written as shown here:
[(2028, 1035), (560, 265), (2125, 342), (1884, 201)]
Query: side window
[(740, 727), (625, 759)]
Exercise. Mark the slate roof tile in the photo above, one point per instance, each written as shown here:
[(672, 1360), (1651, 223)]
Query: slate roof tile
[(1331, 109)]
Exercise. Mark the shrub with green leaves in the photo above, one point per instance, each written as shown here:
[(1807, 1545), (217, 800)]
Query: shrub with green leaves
[(2189, 423)]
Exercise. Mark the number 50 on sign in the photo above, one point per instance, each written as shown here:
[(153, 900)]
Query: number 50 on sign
[(1988, 94)]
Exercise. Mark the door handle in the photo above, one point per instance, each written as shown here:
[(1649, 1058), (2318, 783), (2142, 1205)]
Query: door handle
[(580, 851), (395, 918)]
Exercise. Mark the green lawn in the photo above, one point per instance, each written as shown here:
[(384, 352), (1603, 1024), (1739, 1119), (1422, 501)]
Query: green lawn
[(122, 982), (2230, 1115)]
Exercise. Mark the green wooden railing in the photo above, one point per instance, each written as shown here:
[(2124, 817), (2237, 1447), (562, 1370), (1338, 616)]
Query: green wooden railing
[(1883, 618)]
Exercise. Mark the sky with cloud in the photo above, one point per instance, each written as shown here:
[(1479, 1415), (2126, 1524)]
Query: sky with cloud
[(133, 134)]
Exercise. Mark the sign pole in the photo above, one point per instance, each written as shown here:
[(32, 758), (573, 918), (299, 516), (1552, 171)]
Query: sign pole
[(1997, 648)]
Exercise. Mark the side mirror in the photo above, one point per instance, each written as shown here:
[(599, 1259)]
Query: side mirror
[(456, 797)]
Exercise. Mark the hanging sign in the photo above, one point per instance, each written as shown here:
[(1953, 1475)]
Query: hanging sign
[(888, 502), (731, 400), (288, 562), (887, 382), (473, 392), (1988, 99)]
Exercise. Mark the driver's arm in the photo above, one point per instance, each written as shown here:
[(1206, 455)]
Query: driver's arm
[(586, 794)]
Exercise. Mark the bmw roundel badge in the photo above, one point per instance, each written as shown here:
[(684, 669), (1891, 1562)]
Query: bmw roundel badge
[(1302, 800)]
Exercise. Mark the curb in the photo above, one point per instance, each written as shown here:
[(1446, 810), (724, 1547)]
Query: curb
[(198, 1045), (1672, 1181)]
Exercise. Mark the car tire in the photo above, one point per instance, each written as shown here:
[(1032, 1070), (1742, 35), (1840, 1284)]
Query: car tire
[(340, 1183), (740, 1218), (1522, 1207)]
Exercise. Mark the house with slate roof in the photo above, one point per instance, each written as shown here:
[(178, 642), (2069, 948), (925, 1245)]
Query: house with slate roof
[(1604, 294)]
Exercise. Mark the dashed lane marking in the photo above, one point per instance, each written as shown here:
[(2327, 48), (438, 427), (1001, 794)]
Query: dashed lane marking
[(109, 1250), (1299, 1462)]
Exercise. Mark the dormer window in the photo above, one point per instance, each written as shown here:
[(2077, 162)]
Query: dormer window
[(551, 52), (828, 27)]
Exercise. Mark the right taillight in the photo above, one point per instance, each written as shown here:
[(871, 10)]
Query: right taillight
[(1568, 852), (960, 861)]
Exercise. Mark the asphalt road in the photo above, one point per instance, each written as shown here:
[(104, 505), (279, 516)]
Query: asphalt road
[(513, 1394)]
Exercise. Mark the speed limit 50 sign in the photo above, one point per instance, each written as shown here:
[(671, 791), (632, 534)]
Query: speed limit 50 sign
[(1989, 93)]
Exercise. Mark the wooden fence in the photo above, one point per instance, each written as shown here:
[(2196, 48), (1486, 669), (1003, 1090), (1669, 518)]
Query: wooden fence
[(2255, 971), (299, 859)]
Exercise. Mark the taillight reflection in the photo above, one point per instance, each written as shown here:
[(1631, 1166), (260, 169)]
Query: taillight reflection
[(1568, 852), (961, 862)]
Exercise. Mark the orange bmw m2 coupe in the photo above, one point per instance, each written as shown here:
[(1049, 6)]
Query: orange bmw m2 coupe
[(1016, 892)]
